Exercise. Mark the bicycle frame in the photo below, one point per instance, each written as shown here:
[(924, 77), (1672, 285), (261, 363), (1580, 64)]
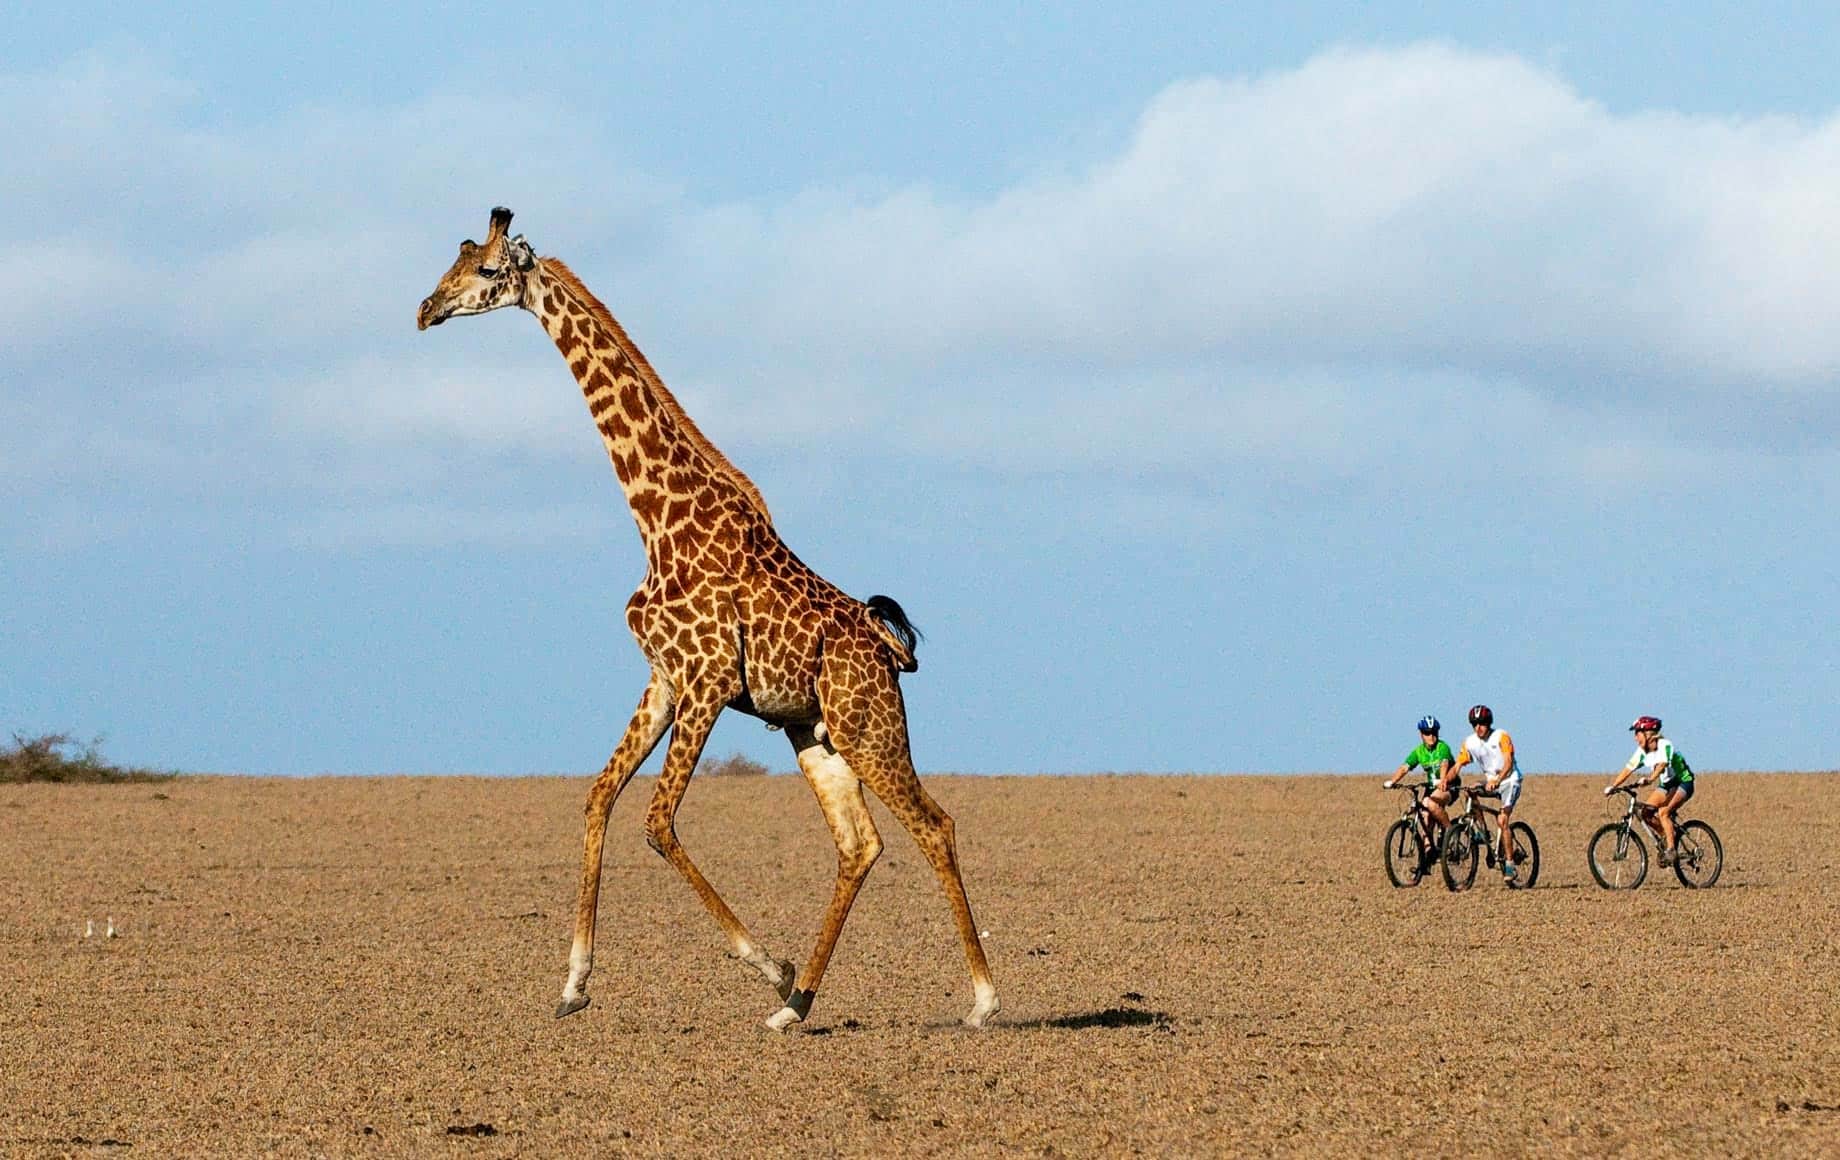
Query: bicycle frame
[(1488, 825), (1418, 810), (1636, 809)]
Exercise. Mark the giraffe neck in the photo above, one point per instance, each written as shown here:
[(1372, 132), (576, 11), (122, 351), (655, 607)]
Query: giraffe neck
[(664, 462)]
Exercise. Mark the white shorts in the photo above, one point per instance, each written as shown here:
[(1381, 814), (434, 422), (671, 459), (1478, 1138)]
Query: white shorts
[(1510, 792)]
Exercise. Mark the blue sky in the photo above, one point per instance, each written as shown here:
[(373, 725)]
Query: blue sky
[(1218, 392)]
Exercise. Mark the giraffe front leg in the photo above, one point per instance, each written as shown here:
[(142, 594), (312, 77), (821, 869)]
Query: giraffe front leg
[(696, 714), (780, 974), (648, 724)]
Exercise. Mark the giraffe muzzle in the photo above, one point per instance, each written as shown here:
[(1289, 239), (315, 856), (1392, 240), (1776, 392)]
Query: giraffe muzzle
[(429, 314)]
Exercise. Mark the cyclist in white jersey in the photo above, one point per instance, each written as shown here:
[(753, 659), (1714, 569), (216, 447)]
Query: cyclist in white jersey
[(1493, 752)]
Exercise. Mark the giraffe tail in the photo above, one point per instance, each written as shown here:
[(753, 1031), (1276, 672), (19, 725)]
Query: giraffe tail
[(897, 632)]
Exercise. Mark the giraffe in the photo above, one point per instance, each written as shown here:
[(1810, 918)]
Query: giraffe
[(727, 617)]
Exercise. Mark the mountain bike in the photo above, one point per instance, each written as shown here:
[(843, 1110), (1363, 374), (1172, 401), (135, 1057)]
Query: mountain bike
[(1411, 841), (1619, 859), (1474, 837)]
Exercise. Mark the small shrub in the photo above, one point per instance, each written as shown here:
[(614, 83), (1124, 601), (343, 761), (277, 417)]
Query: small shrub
[(734, 765), (44, 758)]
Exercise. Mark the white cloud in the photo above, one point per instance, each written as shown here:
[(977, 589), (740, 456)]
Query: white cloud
[(1298, 271), (51, 281), (437, 525), (378, 401), (1422, 208)]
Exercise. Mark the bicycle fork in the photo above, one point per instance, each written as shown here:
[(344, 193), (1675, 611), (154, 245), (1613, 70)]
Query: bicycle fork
[(1622, 840)]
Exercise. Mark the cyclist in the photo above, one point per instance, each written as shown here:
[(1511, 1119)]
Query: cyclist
[(1441, 780), (1493, 752), (1673, 778)]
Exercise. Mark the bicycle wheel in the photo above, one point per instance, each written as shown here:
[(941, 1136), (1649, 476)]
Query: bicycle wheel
[(1698, 855), (1526, 857), (1460, 856), (1619, 860), (1405, 854)]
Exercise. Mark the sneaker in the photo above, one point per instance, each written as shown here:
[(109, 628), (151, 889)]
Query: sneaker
[(1667, 856), (1507, 872)]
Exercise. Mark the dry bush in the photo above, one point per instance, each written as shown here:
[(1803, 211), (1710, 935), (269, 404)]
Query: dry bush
[(734, 765), (43, 758)]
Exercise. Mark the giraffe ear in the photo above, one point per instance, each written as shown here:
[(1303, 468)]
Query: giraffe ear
[(522, 256)]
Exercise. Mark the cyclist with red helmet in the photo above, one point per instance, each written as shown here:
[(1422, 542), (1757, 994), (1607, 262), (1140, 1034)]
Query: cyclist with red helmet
[(1493, 752), (1672, 776), (1434, 758)]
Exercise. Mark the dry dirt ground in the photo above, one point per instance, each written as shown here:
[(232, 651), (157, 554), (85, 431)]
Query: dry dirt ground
[(1188, 965)]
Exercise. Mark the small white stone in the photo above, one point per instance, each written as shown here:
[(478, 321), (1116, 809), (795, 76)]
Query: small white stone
[(983, 934), (89, 928), (110, 933)]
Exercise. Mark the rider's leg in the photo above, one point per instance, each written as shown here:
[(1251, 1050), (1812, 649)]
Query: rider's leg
[(1668, 831), (1651, 813), (1434, 805), (1507, 835)]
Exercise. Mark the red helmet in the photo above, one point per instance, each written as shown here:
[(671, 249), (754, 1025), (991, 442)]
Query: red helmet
[(1482, 715), (1646, 724)]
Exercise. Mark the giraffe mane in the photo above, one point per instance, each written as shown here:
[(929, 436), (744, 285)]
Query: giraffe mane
[(667, 402)]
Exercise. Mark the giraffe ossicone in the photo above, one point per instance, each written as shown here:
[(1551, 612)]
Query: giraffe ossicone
[(727, 617)]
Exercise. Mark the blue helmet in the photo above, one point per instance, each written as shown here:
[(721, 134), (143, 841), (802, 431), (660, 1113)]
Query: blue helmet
[(1428, 724)]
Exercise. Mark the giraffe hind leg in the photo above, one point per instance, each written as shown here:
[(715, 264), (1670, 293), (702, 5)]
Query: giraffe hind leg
[(839, 794), (874, 744), (932, 830)]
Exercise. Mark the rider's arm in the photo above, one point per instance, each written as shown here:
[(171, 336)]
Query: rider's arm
[(1627, 770), (1404, 768)]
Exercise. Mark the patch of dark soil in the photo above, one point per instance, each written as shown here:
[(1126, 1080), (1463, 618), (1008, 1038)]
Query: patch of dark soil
[(1110, 1017), (471, 1130), (1806, 1106)]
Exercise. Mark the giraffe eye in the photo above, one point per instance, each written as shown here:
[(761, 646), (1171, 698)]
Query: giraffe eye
[(488, 271)]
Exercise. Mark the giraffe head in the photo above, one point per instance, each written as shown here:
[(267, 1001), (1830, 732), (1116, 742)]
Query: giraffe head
[(485, 277)]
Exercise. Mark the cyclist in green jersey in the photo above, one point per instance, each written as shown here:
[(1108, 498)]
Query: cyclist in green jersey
[(1434, 757), (1672, 776)]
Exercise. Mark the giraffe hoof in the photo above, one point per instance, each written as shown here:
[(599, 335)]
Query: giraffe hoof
[(569, 1006), (798, 1005), (982, 1011), (782, 1019)]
